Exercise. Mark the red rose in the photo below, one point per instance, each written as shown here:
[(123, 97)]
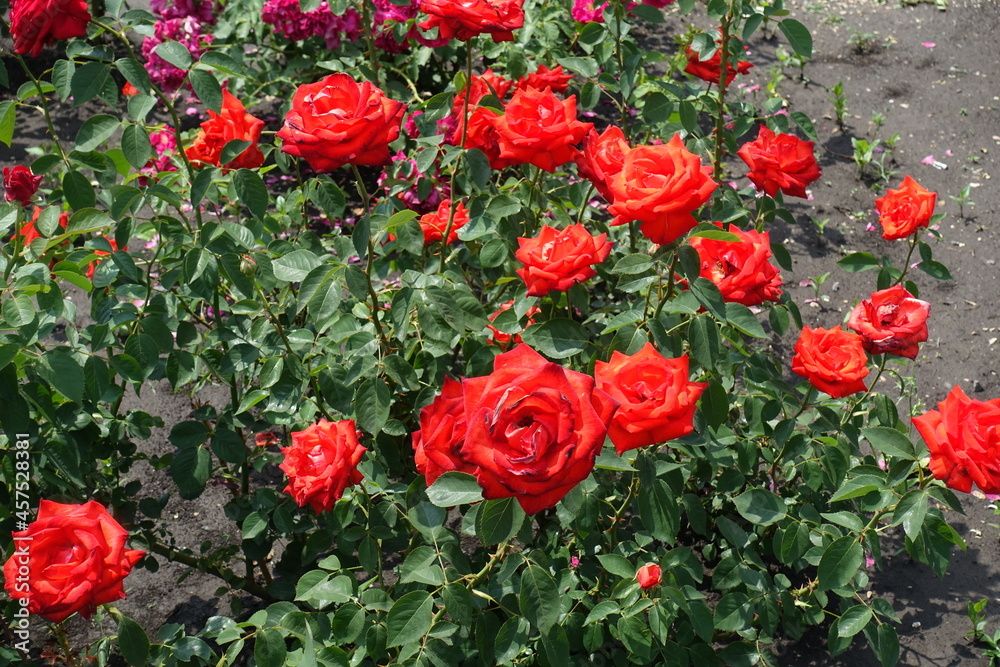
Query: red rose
[(338, 121), (833, 360), (540, 129), (234, 123), (602, 158), (482, 85), (780, 162), (708, 70), (534, 428), (656, 398), (544, 77), (468, 18), (556, 260), (891, 321), (497, 337), (19, 184), (963, 436), (74, 558), (649, 576), (437, 445), (36, 23), (322, 462), (482, 134), (903, 211), (661, 186), (434, 224), (740, 269)]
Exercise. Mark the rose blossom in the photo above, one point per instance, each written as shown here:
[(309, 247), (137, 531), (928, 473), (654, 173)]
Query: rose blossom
[(437, 445), (34, 24), (740, 269), (544, 77), (649, 576), (657, 399), (538, 128), (534, 428), (661, 186), (963, 436), (891, 321), (708, 70), (19, 184), (234, 123), (833, 360), (338, 121), (556, 260), (322, 462), (78, 560), (903, 211), (433, 225), (780, 162), (466, 19), (602, 158)]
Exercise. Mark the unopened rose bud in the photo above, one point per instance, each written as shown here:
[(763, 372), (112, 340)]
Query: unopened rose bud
[(248, 266)]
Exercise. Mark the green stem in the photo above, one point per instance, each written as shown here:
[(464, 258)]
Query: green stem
[(172, 555), (720, 123), (906, 262), (370, 263), (60, 633), (465, 130)]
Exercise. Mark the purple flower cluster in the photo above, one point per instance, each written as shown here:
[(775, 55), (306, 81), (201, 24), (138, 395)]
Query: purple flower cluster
[(424, 191), (189, 32), (164, 143), (291, 22), (202, 10)]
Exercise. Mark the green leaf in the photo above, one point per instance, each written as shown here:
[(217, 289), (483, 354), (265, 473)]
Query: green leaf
[(88, 81), (890, 442), (295, 266), (410, 618), (135, 74), (254, 525), (232, 150), (371, 404), (858, 261), (174, 53), (511, 640), (911, 512), (207, 88), (733, 613), (8, 116), (132, 642), (190, 471), (618, 566), (743, 319), (539, 600), (798, 37), (252, 192), (854, 620), (840, 562), (135, 145), (78, 190), (63, 372), (269, 648), (855, 487), (803, 122), (95, 131), (585, 66), (498, 520), (557, 338), (760, 506), (659, 512), (935, 270), (421, 566), (708, 295), (454, 488)]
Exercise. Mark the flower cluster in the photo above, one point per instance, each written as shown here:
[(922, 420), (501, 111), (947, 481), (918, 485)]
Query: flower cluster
[(289, 21), (190, 32)]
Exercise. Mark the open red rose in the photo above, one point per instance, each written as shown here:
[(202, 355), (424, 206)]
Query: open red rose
[(75, 558), (963, 436), (487, 83), (904, 211), (534, 428), (740, 269), (556, 260), (234, 123), (656, 397), (649, 576), (497, 337), (602, 158), (482, 134), (891, 321), (708, 70), (661, 186), (338, 121), (468, 18), (833, 360), (437, 445), (544, 77), (434, 224), (322, 462), (780, 162), (19, 184), (36, 23), (538, 128)]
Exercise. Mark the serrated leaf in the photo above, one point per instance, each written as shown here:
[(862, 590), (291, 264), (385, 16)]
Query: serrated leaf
[(539, 599), (743, 319), (174, 53), (95, 131), (557, 338), (409, 618), (890, 442), (798, 37), (854, 620), (207, 88), (8, 116), (132, 642), (295, 266), (760, 506), (371, 404), (840, 562), (135, 145), (454, 488), (63, 372), (858, 261), (252, 192), (498, 520)]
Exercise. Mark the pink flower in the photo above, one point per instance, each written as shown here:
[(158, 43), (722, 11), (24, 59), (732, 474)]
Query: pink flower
[(292, 23), (189, 32), (202, 10)]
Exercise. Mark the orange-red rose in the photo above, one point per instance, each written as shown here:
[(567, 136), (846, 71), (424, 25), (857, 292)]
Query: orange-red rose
[(602, 158), (708, 70), (534, 428), (780, 162), (234, 123), (544, 77), (661, 186), (963, 436), (649, 576), (437, 445), (434, 224), (37, 23), (656, 398), (338, 121), (322, 462), (891, 321), (74, 559), (833, 360), (740, 269), (19, 184), (904, 211), (538, 128), (482, 134), (465, 19), (556, 260)]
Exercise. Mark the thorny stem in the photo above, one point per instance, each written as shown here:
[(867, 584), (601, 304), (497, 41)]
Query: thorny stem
[(906, 263), (720, 123), (248, 585), (369, 265), (60, 633), (370, 38), (465, 130)]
